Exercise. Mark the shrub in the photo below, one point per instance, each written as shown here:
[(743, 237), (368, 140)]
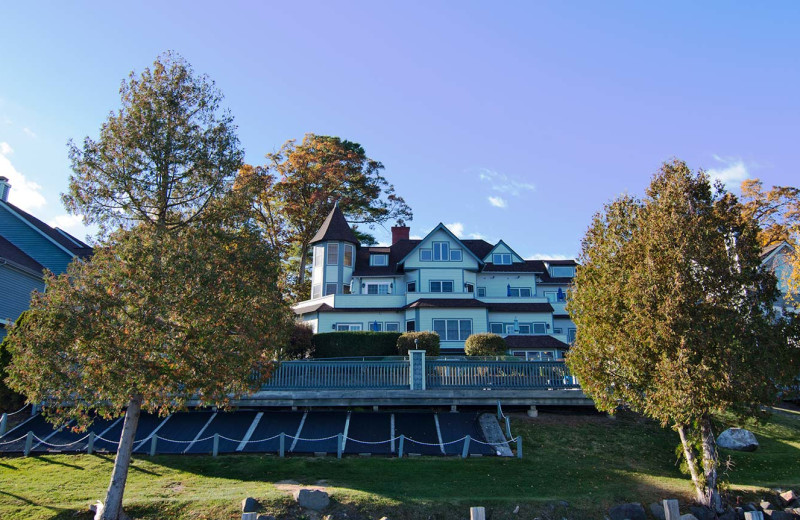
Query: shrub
[(485, 344), (427, 341), (301, 344), (354, 344)]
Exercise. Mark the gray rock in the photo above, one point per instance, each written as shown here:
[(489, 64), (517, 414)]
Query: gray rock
[(765, 505), (250, 505), (737, 439), (788, 497), (702, 512), (312, 499), (633, 511), (688, 516), (658, 511)]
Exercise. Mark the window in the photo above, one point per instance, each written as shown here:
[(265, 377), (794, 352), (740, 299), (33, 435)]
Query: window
[(452, 330), (501, 258), (411, 287), (442, 286), (510, 328), (392, 327), (425, 255), (571, 335), (519, 292), (441, 251), (469, 287), (319, 253), (379, 260), (539, 328), (547, 355), (377, 288), (455, 255), (481, 292), (562, 271), (346, 289), (345, 327), (411, 326), (333, 254), (551, 296), (316, 291), (376, 326), (558, 330), (496, 328), (330, 288), (524, 328), (348, 255)]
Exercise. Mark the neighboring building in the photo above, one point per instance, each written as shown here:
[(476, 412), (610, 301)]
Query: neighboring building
[(27, 247), (441, 283), (777, 257)]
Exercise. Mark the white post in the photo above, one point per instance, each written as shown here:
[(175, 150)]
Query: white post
[(671, 510), (477, 513), (3, 424)]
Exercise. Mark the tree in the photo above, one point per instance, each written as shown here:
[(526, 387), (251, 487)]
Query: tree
[(674, 314), (777, 212), (10, 401), (181, 298), (322, 170)]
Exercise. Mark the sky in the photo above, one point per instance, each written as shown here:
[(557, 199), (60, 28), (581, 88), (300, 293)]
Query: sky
[(503, 120)]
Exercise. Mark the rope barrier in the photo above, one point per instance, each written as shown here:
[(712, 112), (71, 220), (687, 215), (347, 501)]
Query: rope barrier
[(15, 440), (60, 445), (9, 414)]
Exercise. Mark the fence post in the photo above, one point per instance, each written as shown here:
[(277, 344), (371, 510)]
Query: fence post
[(400, 446), (519, 446), (416, 369), (153, 443), (508, 428), (34, 409), (3, 424), (282, 449), (671, 509), (215, 448), (339, 441), (499, 410), (465, 451), (28, 443), (477, 513), (90, 444)]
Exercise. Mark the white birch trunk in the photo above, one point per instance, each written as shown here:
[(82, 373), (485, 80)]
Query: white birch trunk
[(116, 488)]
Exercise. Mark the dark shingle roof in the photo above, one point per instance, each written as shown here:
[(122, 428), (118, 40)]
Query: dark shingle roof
[(445, 303), (519, 307), (12, 253), (537, 342), (64, 239), (335, 227)]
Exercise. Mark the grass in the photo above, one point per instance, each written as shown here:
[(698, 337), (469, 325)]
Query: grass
[(590, 461)]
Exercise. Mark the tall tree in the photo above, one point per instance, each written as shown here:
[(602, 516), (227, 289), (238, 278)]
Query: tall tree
[(181, 297), (777, 212), (320, 171), (674, 314)]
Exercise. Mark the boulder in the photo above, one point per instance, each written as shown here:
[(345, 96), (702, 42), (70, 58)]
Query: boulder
[(702, 512), (788, 497), (765, 505), (658, 511), (312, 499), (250, 505), (737, 439), (633, 511)]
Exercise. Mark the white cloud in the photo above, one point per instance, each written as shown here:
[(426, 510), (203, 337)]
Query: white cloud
[(544, 256), (24, 193), (497, 202), (477, 236), (30, 133), (503, 183), (732, 172), (70, 223), (457, 228)]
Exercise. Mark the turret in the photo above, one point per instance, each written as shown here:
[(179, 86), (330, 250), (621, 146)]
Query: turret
[(334, 256)]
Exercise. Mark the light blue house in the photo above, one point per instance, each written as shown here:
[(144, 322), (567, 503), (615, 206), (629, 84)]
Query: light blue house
[(441, 283), (27, 247)]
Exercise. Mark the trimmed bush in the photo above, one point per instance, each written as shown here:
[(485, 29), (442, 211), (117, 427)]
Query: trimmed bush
[(301, 343), (427, 341), (355, 344), (485, 344)]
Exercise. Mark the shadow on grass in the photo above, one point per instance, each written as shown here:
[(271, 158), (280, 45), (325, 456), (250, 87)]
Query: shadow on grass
[(133, 467), (50, 460)]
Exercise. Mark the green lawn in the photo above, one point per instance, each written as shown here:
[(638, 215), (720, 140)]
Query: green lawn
[(590, 461)]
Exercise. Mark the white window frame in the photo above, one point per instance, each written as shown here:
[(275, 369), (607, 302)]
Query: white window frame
[(350, 327), (319, 255), (519, 291), (441, 286), (395, 326), (378, 326), (379, 286), (447, 328), (496, 328), (426, 252), (526, 325), (316, 291), (327, 288), (349, 252), (379, 259), (481, 292), (567, 271), (543, 328), (456, 253), (333, 248), (552, 296), (501, 257), (443, 251)]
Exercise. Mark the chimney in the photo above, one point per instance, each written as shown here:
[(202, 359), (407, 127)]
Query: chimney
[(399, 233), (5, 187)]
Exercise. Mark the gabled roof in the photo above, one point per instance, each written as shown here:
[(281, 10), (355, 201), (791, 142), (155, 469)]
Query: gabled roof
[(59, 237), (15, 255), (335, 227), (514, 253), (442, 227), (769, 250)]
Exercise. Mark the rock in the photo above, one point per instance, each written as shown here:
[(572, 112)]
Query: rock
[(702, 512), (788, 497), (688, 516), (737, 439), (658, 511), (516, 510), (633, 511), (250, 505), (764, 505), (312, 499)]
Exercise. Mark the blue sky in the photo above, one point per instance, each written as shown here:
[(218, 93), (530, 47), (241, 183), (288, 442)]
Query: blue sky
[(512, 120)]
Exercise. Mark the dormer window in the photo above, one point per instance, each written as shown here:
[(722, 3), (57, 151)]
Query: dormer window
[(501, 258), (379, 260), (562, 271), (348, 255)]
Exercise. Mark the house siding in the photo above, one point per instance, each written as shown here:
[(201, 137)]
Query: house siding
[(16, 287), (32, 242)]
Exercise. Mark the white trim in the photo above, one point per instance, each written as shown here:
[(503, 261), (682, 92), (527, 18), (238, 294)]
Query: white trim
[(143, 441), (299, 430), (205, 426), (250, 431)]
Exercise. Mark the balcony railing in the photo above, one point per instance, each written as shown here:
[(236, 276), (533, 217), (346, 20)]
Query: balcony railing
[(322, 375)]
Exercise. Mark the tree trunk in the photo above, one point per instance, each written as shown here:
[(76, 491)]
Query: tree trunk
[(113, 504), (691, 461), (710, 464)]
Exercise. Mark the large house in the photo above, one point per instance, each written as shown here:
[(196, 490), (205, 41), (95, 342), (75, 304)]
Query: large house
[(27, 247), (442, 283)]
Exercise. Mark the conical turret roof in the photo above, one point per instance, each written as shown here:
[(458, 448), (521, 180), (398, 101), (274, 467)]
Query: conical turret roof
[(335, 228)]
